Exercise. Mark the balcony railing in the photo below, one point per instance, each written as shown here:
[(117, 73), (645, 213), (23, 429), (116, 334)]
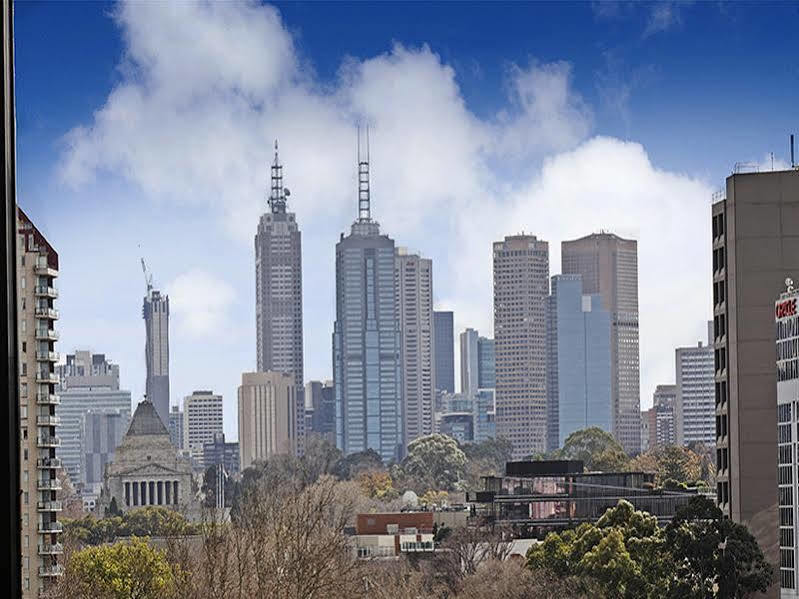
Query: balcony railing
[(50, 484), (48, 420), (48, 527), (46, 335), (48, 441), (51, 549), (49, 506), (57, 570), (47, 399), (45, 291), (49, 463), (47, 377), (46, 313), (47, 356), (45, 270)]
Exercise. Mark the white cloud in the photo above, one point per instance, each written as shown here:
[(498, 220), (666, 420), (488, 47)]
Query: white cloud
[(662, 17), (207, 86), (199, 303)]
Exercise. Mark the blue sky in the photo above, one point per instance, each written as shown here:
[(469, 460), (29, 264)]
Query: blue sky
[(144, 129)]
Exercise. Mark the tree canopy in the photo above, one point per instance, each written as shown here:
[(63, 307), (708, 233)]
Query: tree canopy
[(151, 521), (597, 449), (437, 459)]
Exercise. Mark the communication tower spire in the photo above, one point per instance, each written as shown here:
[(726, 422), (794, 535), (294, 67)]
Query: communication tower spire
[(277, 197), (364, 213)]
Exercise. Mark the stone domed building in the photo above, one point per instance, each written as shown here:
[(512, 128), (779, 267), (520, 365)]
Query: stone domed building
[(147, 469)]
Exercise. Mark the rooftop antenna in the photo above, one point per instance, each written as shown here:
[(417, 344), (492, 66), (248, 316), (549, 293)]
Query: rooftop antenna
[(364, 214), (793, 164), (148, 278), (278, 194)]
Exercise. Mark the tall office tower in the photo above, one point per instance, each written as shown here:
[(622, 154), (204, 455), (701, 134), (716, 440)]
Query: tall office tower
[(609, 267), (469, 362), (155, 312), (101, 432), (278, 292), (320, 405), (521, 287), (444, 347), (647, 428), (663, 401), (786, 316), (86, 382), (267, 416), (37, 269), (367, 349), (176, 427), (486, 363), (222, 452), (414, 288), (202, 419), (695, 406), (579, 373), (755, 247)]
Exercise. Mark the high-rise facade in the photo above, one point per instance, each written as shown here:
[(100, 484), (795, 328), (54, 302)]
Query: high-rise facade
[(444, 351), (469, 362), (176, 427), (521, 288), (101, 432), (608, 265), (695, 405), (87, 382), (155, 312), (663, 401), (367, 348), (320, 407), (486, 363), (579, 375), (414, 288), (278, 292), (267, 416), (202, 420), (755, 247), (37, 269), (222, 452)]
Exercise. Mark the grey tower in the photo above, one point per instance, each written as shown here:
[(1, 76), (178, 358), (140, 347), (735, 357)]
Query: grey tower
[(443, 342), (367, 367), (156, 350), (278, 292), (609, 267)]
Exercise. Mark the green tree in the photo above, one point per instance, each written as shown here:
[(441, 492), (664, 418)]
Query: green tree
[(125, 570), (493, 453), (597, 449), (349, 467), (670, 462), (435, 459)]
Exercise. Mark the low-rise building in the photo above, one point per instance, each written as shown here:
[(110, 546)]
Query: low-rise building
[(393, 534)]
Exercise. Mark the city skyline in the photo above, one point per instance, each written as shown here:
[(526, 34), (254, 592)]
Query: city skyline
[(630, 166)]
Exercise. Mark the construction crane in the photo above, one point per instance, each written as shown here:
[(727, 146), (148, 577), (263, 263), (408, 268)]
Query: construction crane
[(148, 278)]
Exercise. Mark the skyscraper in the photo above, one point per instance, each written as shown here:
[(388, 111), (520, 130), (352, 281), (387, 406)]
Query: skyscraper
[(267, 416), (87, 382), (521, 287), (444, 349), (156, 349), (101, 432), (695, 405), (579, 374), (486, 363), (608, 265), (663, 404), (469, 362), (367, 349), (176, 427), (37, 269), (414, 288), (755, 247), (320, 404), (202, 419), (278, 291)]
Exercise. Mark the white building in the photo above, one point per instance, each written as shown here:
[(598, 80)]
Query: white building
[(202, 419), (695, 406), (787, 335)]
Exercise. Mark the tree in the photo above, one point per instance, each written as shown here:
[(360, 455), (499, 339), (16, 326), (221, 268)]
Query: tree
[(377, 484), (492, 453), (435, 459), (597, 449), (349, 467), (124, 570), (113, 508), (669, 462)]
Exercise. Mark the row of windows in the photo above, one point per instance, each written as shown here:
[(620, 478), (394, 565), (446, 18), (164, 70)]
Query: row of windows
[(787, 371)]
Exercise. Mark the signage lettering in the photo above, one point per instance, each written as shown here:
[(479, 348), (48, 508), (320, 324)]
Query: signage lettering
[(786, 308)]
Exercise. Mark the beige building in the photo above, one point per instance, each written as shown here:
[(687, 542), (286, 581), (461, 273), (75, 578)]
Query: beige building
[(414, 289), (202, 419), (608, 265), (521, 289), (267, 416), (755, 248), (147, 469), (37, 269)]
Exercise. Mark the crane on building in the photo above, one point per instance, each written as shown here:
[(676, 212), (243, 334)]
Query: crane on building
[(148, 277)]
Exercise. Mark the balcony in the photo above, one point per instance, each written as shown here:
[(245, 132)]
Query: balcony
[(50, 484), (45, 291), (48, 420), (49, 506), (57, 570), (46, 335), (49, 399), (48, 463), (45, 270), (48, 441), (50, 313), (50, 527), (47, 377), (51, 549), (47, 356)]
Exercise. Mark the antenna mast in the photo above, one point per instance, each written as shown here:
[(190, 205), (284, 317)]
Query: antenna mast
[(277, 197), (364, 214)]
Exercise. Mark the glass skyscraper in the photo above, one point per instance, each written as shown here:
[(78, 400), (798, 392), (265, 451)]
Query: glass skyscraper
[(367, 366), (443, 344)]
